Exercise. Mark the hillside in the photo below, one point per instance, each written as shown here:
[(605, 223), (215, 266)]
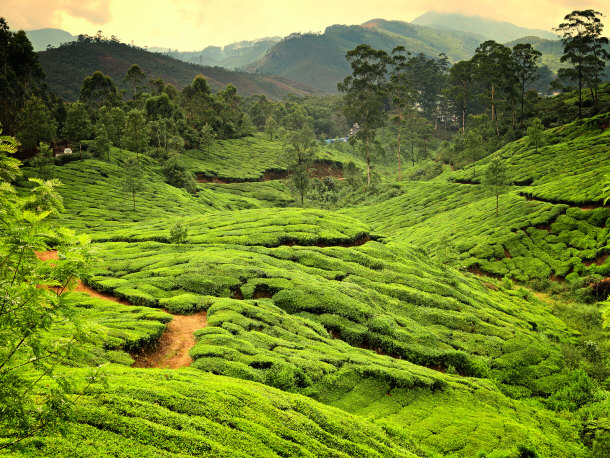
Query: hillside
[(484, 27), (67, 66), (319, 60), (345, 325), (232, 56)]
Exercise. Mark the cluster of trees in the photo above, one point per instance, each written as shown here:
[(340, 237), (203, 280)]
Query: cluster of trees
[(275, 118), (488, 99), (21, 80)]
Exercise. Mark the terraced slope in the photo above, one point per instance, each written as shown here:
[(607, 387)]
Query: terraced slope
[(553, 225), (396, 352), (151, 412)]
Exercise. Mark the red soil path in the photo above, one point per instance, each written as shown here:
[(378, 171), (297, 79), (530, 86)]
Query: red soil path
[(172, 349)]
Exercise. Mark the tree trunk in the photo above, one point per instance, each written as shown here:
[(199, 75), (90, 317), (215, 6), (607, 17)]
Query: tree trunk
[(368, 162), (494, 114), (399, 168), (522, 103), (464, 118), (579, 98)]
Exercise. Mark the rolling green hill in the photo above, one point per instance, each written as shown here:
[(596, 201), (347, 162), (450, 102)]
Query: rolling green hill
[(319, 60), (67, 66), (413, 323)]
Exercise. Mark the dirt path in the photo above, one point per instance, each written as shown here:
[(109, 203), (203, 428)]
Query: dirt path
[(172, 349)]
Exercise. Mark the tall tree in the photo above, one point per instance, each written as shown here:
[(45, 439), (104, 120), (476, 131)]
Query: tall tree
[(583, 48), (271, 127), (300, 148), (35, 124), (78, 125), (135, 79), (525, 59), (365, 92), (492, 66), (429, 78), (206, 137), (495, 179), (198, 103), (102, 143), (474, 148), (43, 160), (132, 180), (20, 75), (460, 86), (112, 120), (535, 132), (401, 90), (136, 134), (98, 90)]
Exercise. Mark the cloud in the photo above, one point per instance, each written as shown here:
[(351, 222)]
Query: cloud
[(35, 14)]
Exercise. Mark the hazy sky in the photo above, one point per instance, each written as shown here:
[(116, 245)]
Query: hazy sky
[(195, 24)]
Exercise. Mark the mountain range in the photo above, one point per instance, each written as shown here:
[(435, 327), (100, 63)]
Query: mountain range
[(66, 67), (302, 63), (232, 56), (488, 29)]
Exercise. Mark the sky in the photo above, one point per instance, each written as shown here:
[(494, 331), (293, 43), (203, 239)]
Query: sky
[(194, 24)]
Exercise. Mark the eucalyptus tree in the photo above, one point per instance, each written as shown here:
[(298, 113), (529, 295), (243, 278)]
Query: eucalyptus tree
[(493, 64), (401, 91), (495, 179), (525, 59), (206, 137), (132, 182), (365, 93), (460, 89), (136, 134), (98, 90), (78, 125), (135, 79), (583, 48), (535, 132), (300, 147), (35, 124)]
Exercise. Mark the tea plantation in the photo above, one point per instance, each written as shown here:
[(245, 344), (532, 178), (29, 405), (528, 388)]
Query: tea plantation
[(353, 332)]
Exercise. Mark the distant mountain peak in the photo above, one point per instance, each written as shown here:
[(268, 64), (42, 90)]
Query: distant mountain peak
[(500, 31)]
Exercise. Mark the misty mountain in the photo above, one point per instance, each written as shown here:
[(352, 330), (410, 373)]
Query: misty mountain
[(318, 60), (488, 28), (232, 56), (41, 38)]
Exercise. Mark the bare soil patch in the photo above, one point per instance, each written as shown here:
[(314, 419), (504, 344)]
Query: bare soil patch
[(171, 351)]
